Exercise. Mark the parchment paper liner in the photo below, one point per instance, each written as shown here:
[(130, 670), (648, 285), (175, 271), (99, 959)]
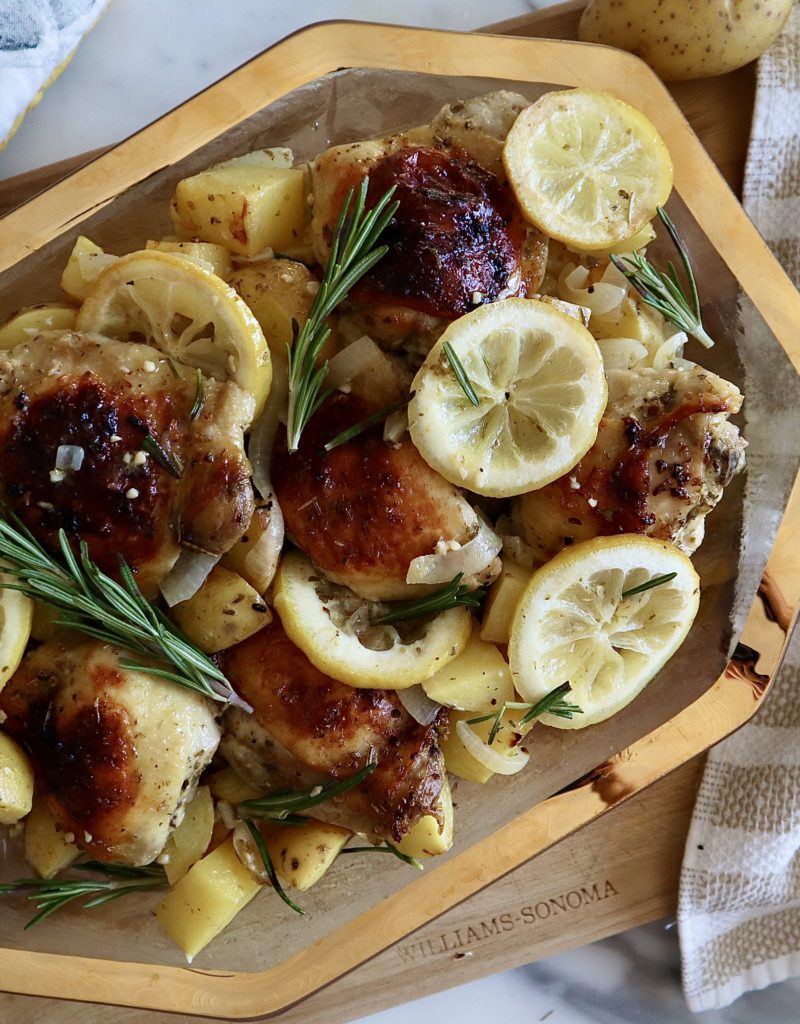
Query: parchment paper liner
[(354, 104)]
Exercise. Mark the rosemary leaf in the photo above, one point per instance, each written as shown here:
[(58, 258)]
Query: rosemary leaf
[(200, 396), (51, 894), (284, 805), (353, 254), (269, 867), (93, 603), (460, 373), (451, 595), (362, 425), (552, 703), (656, 581), (663, 291), (167, 461), (386, 848)]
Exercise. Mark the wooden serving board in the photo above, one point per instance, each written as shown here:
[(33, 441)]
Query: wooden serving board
[(587, 887)]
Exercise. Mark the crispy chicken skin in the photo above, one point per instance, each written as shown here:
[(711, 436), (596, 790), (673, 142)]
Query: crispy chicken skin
[(362, 511), (105, 397), (117, 752), (306, 728), (664, 452), (457, 239)]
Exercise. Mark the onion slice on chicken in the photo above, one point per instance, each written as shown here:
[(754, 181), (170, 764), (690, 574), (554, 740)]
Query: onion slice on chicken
[(418, 704), (502, 764), (186, 576), (357, 358), (470, 559)]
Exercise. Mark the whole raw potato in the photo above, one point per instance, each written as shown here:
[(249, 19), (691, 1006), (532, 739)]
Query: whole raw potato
[(686, 38)]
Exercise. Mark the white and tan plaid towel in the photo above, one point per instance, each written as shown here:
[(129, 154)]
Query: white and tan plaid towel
[(37, 39), (739, 907)]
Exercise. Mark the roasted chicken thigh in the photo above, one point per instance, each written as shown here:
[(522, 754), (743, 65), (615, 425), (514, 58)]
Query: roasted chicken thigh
[(664, 453), (116, 752), (306, 728), (114, 402)]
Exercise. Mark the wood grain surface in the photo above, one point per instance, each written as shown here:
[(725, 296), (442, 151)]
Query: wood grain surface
[(590, 885)]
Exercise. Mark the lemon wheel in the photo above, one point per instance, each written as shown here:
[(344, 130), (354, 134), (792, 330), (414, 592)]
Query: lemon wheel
[(578, 621), (538, 378), (587, 168), (16, 615), (332, 628), (167, 301)]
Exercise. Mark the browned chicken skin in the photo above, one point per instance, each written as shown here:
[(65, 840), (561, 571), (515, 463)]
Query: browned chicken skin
[(307, 727), (664, 452), (362, 511), (116, 752), (105, 397)]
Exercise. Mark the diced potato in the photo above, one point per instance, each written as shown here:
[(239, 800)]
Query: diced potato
[(228, 785), (235, 558), (502, 600), (458, 759), (190, 839), (215, 257), (206, 899), (16, 781), (246, 208), (46, 848), (302, 854), (223, 612), (86, 261), (277, 291), (32, 320), (426, 839), (479, 679), (43, 625)]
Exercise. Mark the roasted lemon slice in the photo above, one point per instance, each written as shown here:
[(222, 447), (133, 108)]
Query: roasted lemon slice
[(537, 377), (16, 615), (166, 300), (593, 617), (334, 629), (587, 168)]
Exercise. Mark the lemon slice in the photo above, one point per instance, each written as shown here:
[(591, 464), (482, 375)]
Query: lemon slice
[(538, 377), (587, 168), (166, 300), (332, 628), (16, 615), (573, 624)]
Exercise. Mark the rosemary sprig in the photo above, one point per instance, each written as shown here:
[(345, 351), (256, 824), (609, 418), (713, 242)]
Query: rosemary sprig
[(93, 603), (51, 894), (269, 867), (362, 425), (656, 581), (150, 445), (286, 805), (460, 373), (385, 848), (552, 703), (451, 595), (354, 252), (664, 292), (200, 396)]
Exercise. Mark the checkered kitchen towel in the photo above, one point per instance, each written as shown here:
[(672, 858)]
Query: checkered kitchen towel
[(37, 39), (739, 908)]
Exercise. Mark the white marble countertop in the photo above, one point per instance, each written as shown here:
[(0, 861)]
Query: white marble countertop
[(145, 57)]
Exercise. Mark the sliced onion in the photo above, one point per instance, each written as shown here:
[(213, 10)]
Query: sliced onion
[(470, 559), (186, 576), (69, 456), (614, 276), (261, 561), (418, 704), (517, 550), (622, 353), (262, 434), (669, 351), (359, 357), (501, 764), (602, 298), (245, 849), (91, 263), (395, 426)]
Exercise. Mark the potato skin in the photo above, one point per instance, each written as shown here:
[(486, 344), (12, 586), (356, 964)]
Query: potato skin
[(685, 39)]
